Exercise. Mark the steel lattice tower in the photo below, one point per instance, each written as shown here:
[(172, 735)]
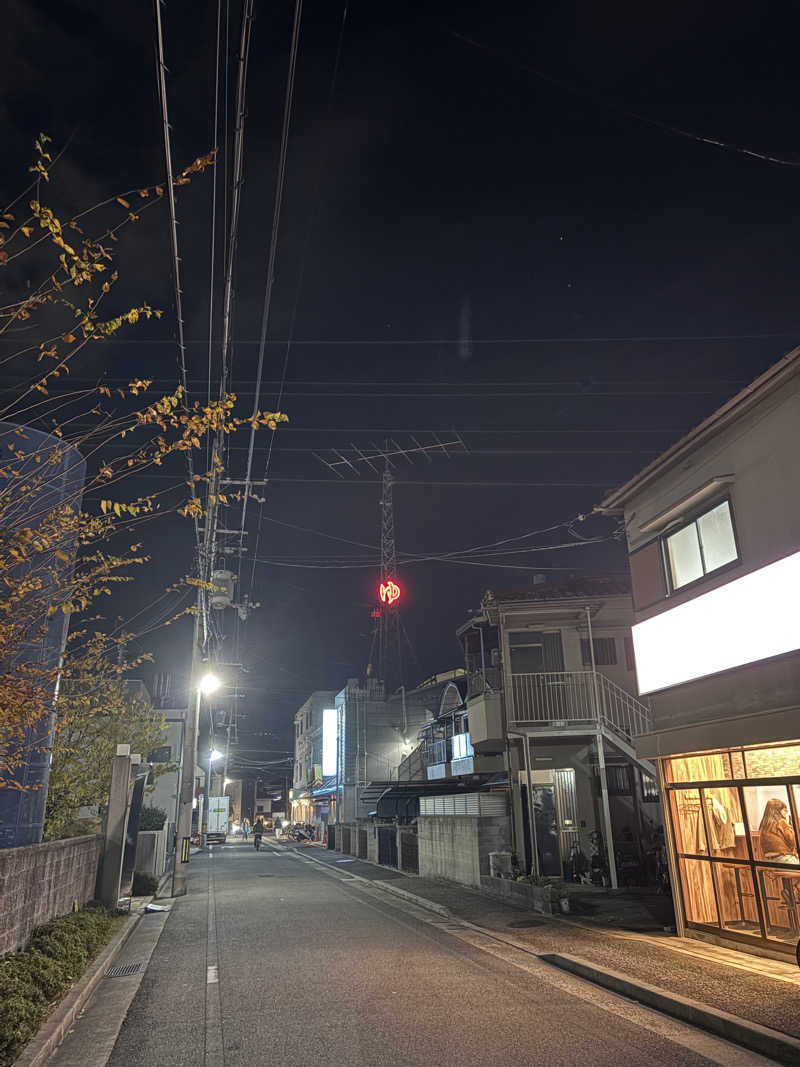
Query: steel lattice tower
[(390, 665), (388, 630)]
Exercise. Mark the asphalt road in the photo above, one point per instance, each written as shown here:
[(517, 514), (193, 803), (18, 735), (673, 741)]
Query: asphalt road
[(275, 959)]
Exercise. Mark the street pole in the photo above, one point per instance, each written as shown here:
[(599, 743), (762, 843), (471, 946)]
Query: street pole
[(175, 849), (209, 791), (180, 871), (601, 760)]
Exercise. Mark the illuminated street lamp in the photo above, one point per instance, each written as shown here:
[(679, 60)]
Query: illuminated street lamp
[(204, 685), (209, 684)]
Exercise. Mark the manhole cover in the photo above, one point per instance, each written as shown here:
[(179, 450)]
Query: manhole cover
[(523, 924), (123, 971)]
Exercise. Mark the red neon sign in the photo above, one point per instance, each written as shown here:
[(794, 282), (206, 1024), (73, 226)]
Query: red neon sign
[(390, 592)]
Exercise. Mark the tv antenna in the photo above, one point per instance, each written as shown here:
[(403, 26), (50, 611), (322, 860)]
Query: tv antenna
[(386, 652)]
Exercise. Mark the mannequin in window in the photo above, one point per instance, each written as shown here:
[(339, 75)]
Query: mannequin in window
[(776, 835), (720, 821)]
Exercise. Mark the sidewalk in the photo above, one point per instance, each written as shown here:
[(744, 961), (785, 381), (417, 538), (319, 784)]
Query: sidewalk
[(762, 991)]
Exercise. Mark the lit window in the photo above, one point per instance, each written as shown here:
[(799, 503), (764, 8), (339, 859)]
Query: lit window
[(701, 547)]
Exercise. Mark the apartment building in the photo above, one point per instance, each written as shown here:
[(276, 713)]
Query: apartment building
[(551, 687)]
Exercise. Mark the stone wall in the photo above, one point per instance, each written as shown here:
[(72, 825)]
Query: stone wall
[(40, 882)]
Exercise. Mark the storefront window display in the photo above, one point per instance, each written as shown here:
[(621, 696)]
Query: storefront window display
[(735, 831)]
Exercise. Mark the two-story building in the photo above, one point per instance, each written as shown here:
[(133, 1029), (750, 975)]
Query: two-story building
[(551, 683), (713, 529), (310, 798)]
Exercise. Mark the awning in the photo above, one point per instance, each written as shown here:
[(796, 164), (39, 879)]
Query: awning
[(325, 787), (401, 800)]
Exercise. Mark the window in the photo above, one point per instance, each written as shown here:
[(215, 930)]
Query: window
[(527, 653), (630, 659), (649, 789), (605, 651), (701, 546), (532, 651)]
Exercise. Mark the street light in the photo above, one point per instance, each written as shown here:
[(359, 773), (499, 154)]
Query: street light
[(204, 685), (209, 684)]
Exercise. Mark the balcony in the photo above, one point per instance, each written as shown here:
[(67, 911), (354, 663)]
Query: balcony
[(577, 699), (446, 758), (437, 755)]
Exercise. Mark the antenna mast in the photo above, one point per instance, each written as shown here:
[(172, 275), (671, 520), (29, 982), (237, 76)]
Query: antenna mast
[(388, 630), (390, 656)]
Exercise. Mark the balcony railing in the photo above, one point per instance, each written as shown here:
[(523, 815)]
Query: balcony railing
[(437, 751), (456, 750), (570, 697), (487, 681)]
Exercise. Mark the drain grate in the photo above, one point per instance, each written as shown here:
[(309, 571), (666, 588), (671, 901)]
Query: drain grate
[(123, 971), (523, 924)]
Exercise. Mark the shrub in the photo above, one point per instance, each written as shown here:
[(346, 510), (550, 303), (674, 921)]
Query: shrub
[(31, 981), (152, 819), (144, 884)]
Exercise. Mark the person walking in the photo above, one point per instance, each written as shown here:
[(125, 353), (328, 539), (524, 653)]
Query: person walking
[(258, 833), (246, 827)]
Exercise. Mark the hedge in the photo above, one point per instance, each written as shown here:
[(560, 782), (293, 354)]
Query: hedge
[(32, 981)]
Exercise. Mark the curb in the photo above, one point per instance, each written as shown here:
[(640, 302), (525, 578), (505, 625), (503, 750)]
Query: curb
[(762, 1039), (56, 1026), (412, 898)]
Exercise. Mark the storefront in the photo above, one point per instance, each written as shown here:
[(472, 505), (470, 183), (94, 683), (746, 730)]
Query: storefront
[(734, 816)]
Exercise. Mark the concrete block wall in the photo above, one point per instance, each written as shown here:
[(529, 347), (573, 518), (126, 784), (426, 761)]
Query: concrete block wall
[(41, 882), (448, 848), (151, 851), (457, 847), (494, 835), (372, 843)]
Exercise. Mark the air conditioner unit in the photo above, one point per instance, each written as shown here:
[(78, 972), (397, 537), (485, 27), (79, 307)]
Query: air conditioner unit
[(500, 864)]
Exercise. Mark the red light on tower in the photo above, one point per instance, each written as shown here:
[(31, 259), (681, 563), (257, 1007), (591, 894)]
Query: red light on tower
[(390, 592)]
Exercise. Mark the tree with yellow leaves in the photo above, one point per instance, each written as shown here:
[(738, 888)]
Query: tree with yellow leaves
[(58, 557)]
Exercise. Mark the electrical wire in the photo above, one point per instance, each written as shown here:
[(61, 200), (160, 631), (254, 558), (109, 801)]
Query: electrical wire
[(596, 98), (310, 222), (213, 264), (162, 92), (273, 250), (351, 342)]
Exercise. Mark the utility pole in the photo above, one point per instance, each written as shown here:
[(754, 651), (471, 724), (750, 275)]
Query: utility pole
[(180, 870), (180, 873)]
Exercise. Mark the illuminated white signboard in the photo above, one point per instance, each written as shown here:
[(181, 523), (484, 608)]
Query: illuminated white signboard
[(329, 720), (749, 619)]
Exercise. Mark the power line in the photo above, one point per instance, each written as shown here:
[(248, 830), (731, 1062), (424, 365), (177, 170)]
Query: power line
[(213, 216), (667, 127), (313, 213), (351, 342), (162, 92), (273, 250)]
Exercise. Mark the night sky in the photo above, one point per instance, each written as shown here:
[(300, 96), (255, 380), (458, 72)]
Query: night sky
[(482, 232)]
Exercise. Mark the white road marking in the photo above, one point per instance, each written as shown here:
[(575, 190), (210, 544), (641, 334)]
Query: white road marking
[(212, 974)]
